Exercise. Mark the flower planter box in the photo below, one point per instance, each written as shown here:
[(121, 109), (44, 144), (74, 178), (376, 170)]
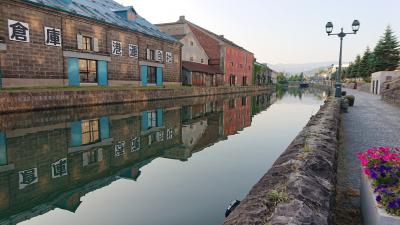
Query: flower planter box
[(372, 214)]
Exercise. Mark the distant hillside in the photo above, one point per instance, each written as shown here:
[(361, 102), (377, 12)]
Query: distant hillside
[(306, 68)]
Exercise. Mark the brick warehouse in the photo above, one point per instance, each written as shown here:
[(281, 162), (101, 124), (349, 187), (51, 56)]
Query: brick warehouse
[(233, 61), (77, 42)]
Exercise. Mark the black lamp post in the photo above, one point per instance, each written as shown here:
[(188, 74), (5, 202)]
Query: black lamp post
[(341, 35)]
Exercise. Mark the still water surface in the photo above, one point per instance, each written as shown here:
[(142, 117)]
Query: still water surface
[(159, 163)]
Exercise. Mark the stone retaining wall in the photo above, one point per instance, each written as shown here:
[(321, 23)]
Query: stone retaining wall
[(365, 87), (300, 186), (391, 92), (38, 100)]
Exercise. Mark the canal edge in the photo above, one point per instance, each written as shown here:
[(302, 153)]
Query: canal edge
[(301, 185)]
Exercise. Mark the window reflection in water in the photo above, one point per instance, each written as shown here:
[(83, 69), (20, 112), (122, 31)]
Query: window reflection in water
[(90, 132)]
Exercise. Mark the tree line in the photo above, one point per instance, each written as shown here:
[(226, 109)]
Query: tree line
[(384, 57)]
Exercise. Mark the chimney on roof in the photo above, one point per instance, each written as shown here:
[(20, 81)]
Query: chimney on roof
[(182, 19), (222, 36)]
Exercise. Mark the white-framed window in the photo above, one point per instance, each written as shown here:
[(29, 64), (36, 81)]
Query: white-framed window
[(151, 54), (52, 36), (169, 58), (18, 31), (133, 51), (152, 119), (117, 48)]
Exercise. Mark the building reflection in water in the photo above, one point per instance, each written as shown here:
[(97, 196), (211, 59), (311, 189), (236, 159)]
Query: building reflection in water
[(51, 159)]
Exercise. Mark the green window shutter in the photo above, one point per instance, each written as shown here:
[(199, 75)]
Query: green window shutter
[(143, 75), (76, 134), (160, 76), (104, 128), (102, 73), (3, 149), (73, 72)]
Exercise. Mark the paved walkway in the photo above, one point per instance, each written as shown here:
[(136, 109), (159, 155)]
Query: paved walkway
[(371, 122)]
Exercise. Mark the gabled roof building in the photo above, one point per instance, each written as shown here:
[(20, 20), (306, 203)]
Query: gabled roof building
[(233, 61), (79, 42)]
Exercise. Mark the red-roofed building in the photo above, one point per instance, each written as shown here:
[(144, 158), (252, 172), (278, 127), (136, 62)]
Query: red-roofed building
[(233, 61)]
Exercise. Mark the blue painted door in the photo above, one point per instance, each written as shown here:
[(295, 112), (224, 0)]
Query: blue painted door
[(3, 149), (145, 121), (160, 76), (160, 117), (102, 73), (76, 134), (143, 75), (104, 128), (73, 72)]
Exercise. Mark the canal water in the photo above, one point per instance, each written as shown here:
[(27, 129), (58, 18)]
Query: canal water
[(175, 162)]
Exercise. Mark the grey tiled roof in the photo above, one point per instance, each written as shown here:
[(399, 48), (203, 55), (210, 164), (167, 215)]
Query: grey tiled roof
[(104, 11)]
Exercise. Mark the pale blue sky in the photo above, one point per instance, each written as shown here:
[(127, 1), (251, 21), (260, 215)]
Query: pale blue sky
[(282, 31)]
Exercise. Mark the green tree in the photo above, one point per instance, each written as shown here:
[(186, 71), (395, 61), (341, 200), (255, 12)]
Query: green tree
[(281, 78), (301, 77), (365, 67), (355, 70), (349, 70), (387, 52)]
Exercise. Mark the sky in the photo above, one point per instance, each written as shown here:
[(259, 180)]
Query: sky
[(282, 31)]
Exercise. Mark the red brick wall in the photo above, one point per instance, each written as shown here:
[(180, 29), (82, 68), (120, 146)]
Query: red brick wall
[(3, 25), (238, 117), (209, 44), (242, 65)]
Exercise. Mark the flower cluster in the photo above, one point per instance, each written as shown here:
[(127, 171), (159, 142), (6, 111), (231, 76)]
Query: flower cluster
[(382, 165)]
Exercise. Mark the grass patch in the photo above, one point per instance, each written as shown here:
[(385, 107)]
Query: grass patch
[(277, 197)]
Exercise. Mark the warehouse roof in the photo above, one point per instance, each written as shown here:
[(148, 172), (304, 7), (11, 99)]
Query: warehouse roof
[(106, 11), (198, 67)]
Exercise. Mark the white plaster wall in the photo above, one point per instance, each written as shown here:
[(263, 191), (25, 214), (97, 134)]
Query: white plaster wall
[(189, 51), (195, 51), (382, 77), (192, 133)]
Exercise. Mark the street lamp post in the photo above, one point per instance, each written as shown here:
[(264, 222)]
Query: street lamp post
[(341, 35)]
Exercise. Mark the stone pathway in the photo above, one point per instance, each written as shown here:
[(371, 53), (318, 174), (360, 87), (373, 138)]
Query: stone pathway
[(371, 122)]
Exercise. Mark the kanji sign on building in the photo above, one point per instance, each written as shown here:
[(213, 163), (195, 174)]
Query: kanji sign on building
[(159, 56), (135, 146), (117, 48), (59, 168), (28, 177), (170, 134), (160, 136), (119, 149), (18, 31), (168, 57), (52, 36), (133, 51)]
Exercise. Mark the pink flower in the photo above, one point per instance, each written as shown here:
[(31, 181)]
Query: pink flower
[(386, 157), (367, 172), (364, 162)]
